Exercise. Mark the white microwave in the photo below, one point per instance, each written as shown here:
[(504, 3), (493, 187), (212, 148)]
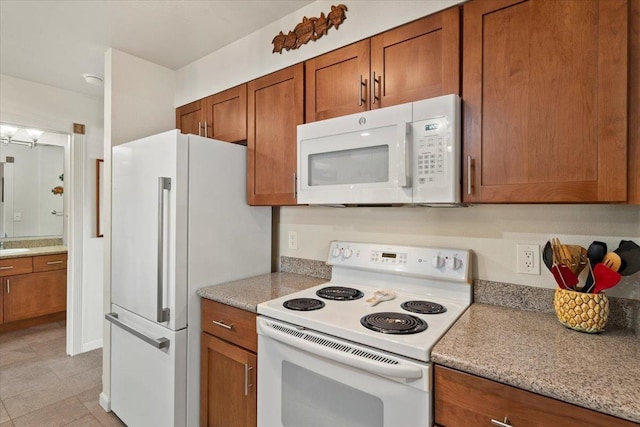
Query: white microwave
[(404, 154)]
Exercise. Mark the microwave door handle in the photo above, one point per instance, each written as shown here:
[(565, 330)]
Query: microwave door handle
[(404, 179)]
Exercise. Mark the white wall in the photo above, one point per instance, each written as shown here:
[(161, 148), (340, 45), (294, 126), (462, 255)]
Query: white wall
[(491, 231), (252, 57), (36, 105), (138, 101)]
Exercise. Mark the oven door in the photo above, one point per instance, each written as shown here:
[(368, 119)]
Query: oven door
[(307, 379), (360, 158)]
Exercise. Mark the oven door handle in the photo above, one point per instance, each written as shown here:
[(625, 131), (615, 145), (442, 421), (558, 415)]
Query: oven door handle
[(327, 351)]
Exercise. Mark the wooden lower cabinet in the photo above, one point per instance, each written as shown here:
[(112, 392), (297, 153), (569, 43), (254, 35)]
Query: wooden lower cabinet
[(34, 294), (228, 384), (228, 366), (464, 400)]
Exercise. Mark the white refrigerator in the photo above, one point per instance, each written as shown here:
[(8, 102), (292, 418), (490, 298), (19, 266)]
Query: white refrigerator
[(180, 221)]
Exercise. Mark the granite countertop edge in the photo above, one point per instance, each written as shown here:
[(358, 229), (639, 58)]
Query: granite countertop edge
[(247, 293), (550, 359), (45, 250)]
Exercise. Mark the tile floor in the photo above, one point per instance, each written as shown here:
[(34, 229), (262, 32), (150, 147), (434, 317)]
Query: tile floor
[(41, 386)]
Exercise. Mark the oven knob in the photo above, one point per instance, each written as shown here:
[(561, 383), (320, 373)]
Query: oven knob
[(437, 261), (347, 253), (453, 263), (335, 252)]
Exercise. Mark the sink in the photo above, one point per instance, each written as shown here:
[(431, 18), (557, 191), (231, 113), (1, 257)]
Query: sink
[(13, 251)]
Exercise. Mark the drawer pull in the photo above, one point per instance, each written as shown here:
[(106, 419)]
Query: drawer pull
[(504, 423), (9, 267), (54, 262), (247, 368), (222, 324)]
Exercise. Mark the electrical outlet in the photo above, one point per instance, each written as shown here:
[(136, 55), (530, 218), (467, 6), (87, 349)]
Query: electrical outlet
[(528, 259), (293, 240)]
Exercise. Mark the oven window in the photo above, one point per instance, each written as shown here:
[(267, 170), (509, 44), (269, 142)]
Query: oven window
[(354, 166), (312, 400)]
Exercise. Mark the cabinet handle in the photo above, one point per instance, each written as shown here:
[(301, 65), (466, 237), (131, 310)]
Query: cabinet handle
[(469, 174), (205, 129), (54, 262), (247, 368), (222, 324), (8, 267), (504, 423), (373, 87), (295, 186), (8, 287), (199, 128), (363, 83)]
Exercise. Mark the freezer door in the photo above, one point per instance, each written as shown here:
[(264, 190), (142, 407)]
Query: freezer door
[(149, 223), (148, 383)]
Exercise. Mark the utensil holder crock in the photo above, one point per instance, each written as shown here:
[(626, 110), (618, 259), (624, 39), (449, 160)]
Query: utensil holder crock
[(581, 311)]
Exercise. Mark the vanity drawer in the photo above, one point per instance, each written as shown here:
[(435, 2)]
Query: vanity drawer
[(50, 262), (229, 323), (13, 266)]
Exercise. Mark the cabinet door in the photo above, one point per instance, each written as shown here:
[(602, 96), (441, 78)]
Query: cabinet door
[(228, 388), (545, 100), (35, 294), (226, 114), (189, 118), (275, 108), (416, 61), (336, 83), (463, 400)]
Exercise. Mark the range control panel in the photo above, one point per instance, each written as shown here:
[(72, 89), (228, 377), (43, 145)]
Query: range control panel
[(441, 263)]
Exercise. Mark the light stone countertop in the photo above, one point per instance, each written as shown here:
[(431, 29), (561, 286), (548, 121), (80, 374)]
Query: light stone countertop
[(45, 250), (533, 351), (246, 294)]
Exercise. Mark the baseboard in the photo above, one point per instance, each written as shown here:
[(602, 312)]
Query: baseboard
[(105, 401), (91, 345)]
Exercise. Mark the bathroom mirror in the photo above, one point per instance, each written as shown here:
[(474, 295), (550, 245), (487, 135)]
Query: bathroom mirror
[(32, 186)]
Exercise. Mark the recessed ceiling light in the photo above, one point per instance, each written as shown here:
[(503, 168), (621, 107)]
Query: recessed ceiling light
[(92, 79)]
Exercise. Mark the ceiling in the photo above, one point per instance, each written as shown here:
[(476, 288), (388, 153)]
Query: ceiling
[(54, 42)]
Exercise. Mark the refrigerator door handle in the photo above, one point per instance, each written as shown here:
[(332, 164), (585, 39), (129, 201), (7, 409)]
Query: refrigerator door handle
[(157, 343), (164, 183)]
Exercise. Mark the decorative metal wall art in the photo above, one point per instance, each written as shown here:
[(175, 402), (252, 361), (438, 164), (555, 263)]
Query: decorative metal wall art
[(310, 29)]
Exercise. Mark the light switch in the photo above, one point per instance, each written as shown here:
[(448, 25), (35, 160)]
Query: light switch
[(17, 216)]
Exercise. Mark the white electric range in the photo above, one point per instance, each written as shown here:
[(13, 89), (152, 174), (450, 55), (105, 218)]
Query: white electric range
[(329, 351)]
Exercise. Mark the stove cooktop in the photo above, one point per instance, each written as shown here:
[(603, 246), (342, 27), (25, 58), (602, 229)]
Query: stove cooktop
[(431, 287)]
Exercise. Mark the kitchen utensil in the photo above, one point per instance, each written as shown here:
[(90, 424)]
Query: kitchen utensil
[(605, 278), (595, 254), (379, 296), (629, 253), (612, 260), (577, 256), (565, 278), (547, 255)]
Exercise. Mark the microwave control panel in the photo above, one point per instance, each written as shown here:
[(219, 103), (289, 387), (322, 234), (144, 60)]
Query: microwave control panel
[(432, 147)]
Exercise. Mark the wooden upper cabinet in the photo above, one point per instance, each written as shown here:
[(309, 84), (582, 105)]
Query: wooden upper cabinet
[(336, 83), (225, 115), (545, 101), (275, 108), (634, 102), (189, 118), (416, 61)]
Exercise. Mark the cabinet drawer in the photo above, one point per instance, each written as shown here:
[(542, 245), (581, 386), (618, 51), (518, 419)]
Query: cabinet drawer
[(463, 399), (13, 266), (230, 323), (50, 262)]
